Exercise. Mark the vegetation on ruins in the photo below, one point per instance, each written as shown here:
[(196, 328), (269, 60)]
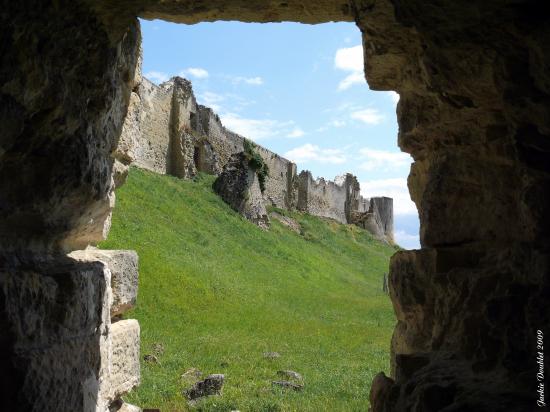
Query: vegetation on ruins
[(217, 294), (256, 162)]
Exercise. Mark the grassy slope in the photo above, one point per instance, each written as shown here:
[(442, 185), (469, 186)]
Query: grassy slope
[(218, 292)]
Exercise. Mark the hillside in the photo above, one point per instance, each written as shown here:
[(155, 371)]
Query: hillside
[(216, 293)]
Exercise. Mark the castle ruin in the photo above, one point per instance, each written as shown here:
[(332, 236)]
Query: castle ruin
[(166, 131)]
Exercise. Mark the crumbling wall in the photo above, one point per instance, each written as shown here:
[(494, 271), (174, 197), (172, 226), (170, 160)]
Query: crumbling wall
[(377, 217), (239, 186), (280, 184), (224, 142), (151, 140), (168, 132), (321, 198)]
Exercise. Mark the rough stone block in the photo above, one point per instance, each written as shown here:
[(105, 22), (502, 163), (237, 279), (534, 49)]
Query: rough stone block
[(54, 314), (125, 373), (123, 265)]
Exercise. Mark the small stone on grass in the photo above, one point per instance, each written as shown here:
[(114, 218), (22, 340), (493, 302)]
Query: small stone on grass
[(290, 375), (150, 358), (288, 385), (212, 385)]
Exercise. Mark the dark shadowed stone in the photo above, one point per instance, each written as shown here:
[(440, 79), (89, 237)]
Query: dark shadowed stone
[(239, 187), (212, 385)]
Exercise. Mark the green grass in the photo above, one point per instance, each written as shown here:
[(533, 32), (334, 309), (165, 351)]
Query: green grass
[(218, 292)]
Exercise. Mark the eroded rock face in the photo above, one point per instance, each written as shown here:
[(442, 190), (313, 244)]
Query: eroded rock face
[(239, 187), (377, 218), (54, 334), (64, 90), (474, 115)]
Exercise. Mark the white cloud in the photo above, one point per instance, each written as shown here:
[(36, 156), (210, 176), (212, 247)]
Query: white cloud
[(350, 80), (314, 153), (295, 133), (368, 116), (211, 100), (197, 72), (332, 123), (350, 59), (254, 81), (394, 96), (156, 77), (395, 188), (406, 240), (383, 160), (337, 123), (255, 129)]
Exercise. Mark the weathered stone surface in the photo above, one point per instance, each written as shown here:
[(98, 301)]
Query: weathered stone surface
[(239, 187), (62, 107), (122, 406), (125, 373), (126, 407), (212, 385), (54, 319), (341, 200), (377, 219), (321, 197), (469, 302), (131, 128), (120, 173), (123, 265)]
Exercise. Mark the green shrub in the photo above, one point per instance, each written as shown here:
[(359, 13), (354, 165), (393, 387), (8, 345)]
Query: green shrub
[(256, 162)]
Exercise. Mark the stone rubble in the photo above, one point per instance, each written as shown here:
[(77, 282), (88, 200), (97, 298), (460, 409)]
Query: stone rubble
[(212, 385)]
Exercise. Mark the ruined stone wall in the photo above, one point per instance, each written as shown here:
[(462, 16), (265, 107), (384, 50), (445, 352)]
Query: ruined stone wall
[(224, 142), (167, 132), (157, 134), (152, 141), (322, 198), (280, 187), (376, 216)]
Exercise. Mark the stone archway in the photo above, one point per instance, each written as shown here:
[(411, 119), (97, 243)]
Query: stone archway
[(474, 114)]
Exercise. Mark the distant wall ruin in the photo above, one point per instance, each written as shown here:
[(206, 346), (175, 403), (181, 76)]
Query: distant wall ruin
[(168, 132)]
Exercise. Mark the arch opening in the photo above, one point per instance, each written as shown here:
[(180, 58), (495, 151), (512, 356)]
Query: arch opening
[(464, 116)]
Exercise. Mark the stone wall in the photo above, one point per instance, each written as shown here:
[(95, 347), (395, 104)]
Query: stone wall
[(167, 132), (280, 186), (321, 198)]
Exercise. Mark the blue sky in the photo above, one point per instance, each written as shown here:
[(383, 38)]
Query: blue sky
[(298, 90)]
